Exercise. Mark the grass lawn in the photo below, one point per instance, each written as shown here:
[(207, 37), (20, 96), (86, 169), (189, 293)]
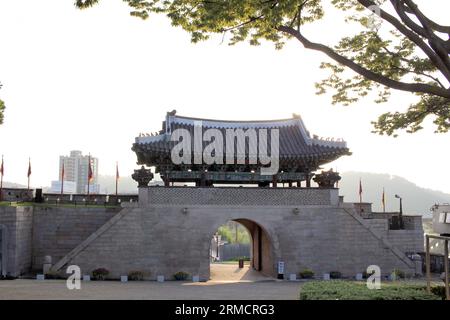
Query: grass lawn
[(352, 290)]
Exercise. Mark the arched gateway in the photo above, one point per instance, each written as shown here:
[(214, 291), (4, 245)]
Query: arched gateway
[(213, 173)]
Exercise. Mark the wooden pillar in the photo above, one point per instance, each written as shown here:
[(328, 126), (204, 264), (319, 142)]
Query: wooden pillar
[(290, 184), (299, 184)]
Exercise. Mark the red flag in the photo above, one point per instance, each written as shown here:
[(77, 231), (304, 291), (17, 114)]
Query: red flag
[(62, 178), (90, 173), (62, 172), (29, 168), (29, 173), (117, 178), (360, 191)]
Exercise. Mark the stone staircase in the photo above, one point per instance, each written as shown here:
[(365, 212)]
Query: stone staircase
[(79, 248), (386, 244)]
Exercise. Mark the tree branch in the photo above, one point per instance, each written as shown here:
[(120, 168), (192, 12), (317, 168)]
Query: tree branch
[(368, 74), (415, 38)]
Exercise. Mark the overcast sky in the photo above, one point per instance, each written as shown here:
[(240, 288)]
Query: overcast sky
[(92, 80)]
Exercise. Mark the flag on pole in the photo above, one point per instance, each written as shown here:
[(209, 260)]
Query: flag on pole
[(90, 173), (62, 178), (383, 201), (29, 172), (360, 191), (2, 169), (117, 178)]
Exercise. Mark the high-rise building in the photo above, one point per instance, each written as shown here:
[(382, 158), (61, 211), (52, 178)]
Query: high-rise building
[(76, 170)]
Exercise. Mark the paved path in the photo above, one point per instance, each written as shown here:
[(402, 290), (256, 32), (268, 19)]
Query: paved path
[(232, 273), (227, 282), (170, 290)]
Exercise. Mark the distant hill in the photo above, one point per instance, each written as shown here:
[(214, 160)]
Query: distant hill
[(416, 200)]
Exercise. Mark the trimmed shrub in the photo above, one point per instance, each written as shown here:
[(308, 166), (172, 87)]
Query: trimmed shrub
[(354, 290), (439, 291), (135, 276), (7, 277), (52, 275), (306, 274), (100, 274), (398, 274), (335, 275), (180, 276)]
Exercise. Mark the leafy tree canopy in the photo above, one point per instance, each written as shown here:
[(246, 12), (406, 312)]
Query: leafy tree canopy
[(410, 54)]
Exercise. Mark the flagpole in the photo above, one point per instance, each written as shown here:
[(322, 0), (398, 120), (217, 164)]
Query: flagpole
[(117, 178), (360, 196), (384, 202), (89, 175), (62, 179), (29, 172)]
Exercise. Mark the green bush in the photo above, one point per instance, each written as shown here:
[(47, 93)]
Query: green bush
[(180, 276), (239, 258), (439, 291), (398, 274), (100, 274), (306, 274), (353, 290), (335, 275), (136, 276), (52, 275)]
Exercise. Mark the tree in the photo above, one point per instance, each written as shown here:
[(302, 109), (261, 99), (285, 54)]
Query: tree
[(409, 53), (2, 108)]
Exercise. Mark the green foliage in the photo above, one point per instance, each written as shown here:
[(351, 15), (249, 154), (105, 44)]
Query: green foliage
[(100, 274), (402, 55), (439, 291), (53, 275), (306, 274), (398, 274), (136, 276), (181, 276), (228, 234), (240, 258), (335, 275), (350, 290)]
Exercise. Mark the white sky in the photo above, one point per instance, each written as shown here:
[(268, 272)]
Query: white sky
[(92, 80)]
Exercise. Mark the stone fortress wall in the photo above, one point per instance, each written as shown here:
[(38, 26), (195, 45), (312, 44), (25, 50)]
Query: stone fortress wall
[(170, 229)]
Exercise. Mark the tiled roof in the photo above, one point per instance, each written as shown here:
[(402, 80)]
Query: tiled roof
[(295, 141)]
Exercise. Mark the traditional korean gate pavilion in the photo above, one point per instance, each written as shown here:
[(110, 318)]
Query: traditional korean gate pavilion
[(300, 154)]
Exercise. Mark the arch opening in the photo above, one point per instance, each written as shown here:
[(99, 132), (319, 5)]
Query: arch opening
[(241, 239)]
